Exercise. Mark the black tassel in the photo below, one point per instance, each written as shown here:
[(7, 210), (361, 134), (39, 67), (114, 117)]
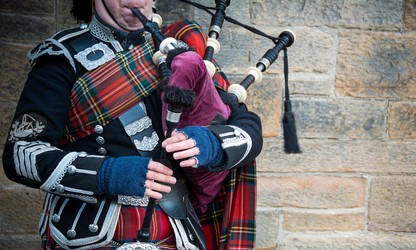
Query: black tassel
[(177, 96), (289, 126), (289, 131)]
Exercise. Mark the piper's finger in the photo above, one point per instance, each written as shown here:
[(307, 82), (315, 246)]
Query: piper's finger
[(152, 194), (186, 153), (174, 138), (159, 168), (157, 187), (191, 162), (162, 178), (180, 146)]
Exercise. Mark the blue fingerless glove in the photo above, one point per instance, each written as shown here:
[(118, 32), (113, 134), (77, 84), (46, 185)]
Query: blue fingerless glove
[(210, 150), (123, 176)]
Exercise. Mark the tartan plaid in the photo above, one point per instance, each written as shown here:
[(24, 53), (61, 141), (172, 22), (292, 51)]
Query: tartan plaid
[(103, 94), (230, 220), (131, 219)]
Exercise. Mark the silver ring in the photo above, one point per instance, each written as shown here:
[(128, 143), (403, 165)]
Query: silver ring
[(197, 162)]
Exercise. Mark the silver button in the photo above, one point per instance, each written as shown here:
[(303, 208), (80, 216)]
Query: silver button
[(82, 154), (102, 151), (98, 129), (83, 26), (100, 140), (60, 188), (56, 218), (71, 169), (93, 228), (71, 233)]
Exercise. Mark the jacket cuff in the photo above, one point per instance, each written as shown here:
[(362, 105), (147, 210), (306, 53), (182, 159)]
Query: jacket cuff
[(75, 177), (235, 143)]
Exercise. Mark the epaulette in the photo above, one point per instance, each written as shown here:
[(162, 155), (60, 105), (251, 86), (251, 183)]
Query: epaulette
[(53, 46)]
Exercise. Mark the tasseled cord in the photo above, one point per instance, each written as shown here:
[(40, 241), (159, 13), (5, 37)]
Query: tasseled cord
[(289, 127)]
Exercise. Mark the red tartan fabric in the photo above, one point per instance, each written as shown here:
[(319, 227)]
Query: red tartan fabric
[(95, 97), (230, 222), (130, 76), (131, 219)]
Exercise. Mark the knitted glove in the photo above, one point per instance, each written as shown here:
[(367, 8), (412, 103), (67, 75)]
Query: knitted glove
[(123, 176), (210, 151)]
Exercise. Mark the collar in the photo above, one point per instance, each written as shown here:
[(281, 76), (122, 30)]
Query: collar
[(104, 32)]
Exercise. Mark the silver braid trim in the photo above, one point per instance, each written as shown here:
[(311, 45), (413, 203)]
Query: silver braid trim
[(239, 138), (25, 157), (71, 237), (148, 143), (53, 183), (47, 49), (133, 200), (138, 126), (100, 31), (55, 178), (103, 33)]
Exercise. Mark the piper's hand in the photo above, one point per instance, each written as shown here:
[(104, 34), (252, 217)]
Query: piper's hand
[(134, 176), (194, 146), (157, 175), (183, 148)]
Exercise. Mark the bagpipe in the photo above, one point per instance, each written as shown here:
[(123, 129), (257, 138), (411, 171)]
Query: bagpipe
[(182, 99), (237, 92)]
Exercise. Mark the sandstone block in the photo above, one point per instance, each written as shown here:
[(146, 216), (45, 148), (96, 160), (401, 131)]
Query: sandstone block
[(264, 98), (29, 6), (18, 242), (14, 67), (311, 191), (65, 18), (376, 65), (340, 156), (26, 29), (353, 242), (267, 229), (20, 210), (310, 84), (371, 14), (410, 14), (340, 118), (312, 52), (3, 178), (172, 11), (6, 112), (402, 120), (392, 204), (316, 221)]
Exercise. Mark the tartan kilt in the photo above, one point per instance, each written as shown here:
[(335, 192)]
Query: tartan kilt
[(228, 224), (129, 223)]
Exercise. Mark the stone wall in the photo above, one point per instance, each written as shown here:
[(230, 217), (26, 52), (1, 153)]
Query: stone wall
[(354, 96)]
